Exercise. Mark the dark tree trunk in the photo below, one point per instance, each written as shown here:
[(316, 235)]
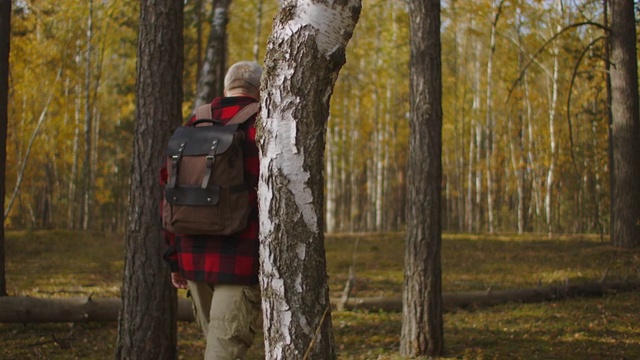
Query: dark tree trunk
[(625, 112), (5, 40), (305, 54), (422, 324), (211, 82), (147, 322)]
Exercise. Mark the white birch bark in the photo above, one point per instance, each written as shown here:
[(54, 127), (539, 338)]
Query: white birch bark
[(211, 80), (330, 182), (86, 173), (32, 139), (357, 221), (379, 141), (305, 53), (553, 103), (536, 181), (256, 39), (344, 208), (489, 121), (73, 177), (517, 149), (475, 143)]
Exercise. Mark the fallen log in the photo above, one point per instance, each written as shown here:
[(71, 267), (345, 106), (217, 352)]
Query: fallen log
[(43, 310), (478, 299), (22, 309)]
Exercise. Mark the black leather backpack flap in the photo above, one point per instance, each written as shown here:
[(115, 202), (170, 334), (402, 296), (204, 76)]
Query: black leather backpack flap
[(199, 140)]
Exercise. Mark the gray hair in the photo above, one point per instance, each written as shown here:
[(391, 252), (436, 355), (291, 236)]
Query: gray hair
[(243, 76)]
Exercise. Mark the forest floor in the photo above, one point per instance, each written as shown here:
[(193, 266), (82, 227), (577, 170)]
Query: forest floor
[(75, 264)]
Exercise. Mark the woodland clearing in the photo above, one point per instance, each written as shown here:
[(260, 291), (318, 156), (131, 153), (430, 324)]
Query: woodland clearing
[(58, 263)]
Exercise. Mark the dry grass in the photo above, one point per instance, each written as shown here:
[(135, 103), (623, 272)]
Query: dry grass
[(62, 263)]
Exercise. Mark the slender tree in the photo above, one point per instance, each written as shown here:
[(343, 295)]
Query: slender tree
[(304, 56), (489, 125), (87, 176), (256, 39), (5, 40), (625, 113), (147, 322), (422, 325), (211, 82)]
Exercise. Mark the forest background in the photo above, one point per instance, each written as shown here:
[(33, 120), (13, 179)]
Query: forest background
[(525, 126)]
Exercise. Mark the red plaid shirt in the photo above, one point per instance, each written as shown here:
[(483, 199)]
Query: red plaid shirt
[(222, 259)]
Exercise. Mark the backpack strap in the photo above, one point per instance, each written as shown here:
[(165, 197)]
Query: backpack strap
[(244, 114), (203, 112)]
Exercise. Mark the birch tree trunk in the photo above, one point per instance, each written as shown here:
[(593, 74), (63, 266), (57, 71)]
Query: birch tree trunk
[(607, 76), (5, 41), (211, 82), (88, 120), (331, 180), (553, 104), (147, 322), (199, 15), (517, 150), (459, 125), (422, 325), (626, 126), (73, 177), (304, 55), (256, 39), (474, 175), (532, 158), (489, 121), (32, 139)]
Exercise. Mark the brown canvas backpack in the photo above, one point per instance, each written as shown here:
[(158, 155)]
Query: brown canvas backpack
[(206, 193)]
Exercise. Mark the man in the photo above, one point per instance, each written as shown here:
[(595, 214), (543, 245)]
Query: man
[(221, 272)]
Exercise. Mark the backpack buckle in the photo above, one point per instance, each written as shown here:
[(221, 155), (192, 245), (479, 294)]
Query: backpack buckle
[(210, 160)]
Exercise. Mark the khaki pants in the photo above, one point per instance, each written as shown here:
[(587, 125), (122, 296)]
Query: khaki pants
[(228, 315)]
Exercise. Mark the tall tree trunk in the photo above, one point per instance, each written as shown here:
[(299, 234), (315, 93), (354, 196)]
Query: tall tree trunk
[(552, 143), (459, 126), (626, 126), (517, 149), (256, 40), (87, 188), (553, 105), (595, 187), (378, 165), (304, 55), (211, 82), (474, 177), (5, 44), (147, 322), (534, 178), (607, 76), (356, 219), (331, 180), (32, 139), (490, 121), (199, 15), (422, 324), (73, 178)]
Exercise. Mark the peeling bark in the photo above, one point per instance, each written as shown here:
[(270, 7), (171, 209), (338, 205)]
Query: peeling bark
[(304, 55)]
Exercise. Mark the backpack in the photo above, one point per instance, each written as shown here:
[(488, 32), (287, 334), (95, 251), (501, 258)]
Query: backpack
[(206, 193)]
